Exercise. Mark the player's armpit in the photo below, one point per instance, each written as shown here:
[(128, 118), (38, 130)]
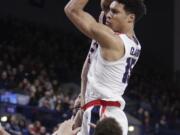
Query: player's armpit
[(106, 37)]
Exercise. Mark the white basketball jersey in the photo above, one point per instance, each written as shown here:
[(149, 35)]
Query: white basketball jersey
[(108, 79)]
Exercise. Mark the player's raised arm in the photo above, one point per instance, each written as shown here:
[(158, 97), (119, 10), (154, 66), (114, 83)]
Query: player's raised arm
[(90, 27)]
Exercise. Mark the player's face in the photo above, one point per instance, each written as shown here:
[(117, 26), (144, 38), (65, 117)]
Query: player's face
[(117, 18)]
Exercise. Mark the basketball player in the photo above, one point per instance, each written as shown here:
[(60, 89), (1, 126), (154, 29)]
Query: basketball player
[(80, 99), (115, 52)]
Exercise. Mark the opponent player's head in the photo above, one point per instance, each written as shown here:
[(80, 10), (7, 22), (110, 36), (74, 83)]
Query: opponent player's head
[(124, 13), (108, 126)]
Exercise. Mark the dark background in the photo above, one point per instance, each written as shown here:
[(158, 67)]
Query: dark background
[(36, 34), (155, 31)]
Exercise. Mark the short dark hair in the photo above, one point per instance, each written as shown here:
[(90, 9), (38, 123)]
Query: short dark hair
[(135, 6), (108, 126)]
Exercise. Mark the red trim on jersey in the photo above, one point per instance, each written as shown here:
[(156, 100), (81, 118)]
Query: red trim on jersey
[(100, 102), (103, 110), (117, 33)]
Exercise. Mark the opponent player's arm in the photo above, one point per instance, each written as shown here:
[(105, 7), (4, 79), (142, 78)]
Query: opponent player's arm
[(66, 128), (94, 30), (2, 131)]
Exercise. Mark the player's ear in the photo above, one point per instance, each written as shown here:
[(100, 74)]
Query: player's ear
[(131, 18)]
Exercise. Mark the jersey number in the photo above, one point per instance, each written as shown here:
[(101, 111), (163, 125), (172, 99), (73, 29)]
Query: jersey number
[(130, 64)]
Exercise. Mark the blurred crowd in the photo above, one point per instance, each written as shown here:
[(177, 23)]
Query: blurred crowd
[(18, 125), (37, 61), (158, 99)]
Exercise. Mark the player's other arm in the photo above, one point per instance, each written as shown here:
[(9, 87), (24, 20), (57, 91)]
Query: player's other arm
[(94, 30), (84, 72), (80, 100)]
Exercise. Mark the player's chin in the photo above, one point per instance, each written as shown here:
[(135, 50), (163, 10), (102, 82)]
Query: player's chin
[(108, 23), (110, 26)]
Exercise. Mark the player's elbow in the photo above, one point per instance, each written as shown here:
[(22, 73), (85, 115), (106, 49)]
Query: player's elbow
[(69, 10)]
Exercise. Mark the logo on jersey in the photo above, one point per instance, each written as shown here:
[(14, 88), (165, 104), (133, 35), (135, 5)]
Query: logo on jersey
[(135, 52)]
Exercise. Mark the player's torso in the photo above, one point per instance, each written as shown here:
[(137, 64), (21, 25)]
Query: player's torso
[(108, 80)]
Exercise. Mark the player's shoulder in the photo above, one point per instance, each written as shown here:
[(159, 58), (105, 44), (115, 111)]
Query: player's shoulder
[(127, 39)]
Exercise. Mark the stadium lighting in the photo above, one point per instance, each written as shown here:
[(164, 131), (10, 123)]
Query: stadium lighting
[(131, 128), (4, 118)]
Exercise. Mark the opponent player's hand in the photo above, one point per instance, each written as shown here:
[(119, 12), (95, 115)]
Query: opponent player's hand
[(2, 131), (66, 128)]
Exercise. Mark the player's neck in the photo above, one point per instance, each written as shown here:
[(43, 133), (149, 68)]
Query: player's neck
[(129, 31), (130, 34)]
